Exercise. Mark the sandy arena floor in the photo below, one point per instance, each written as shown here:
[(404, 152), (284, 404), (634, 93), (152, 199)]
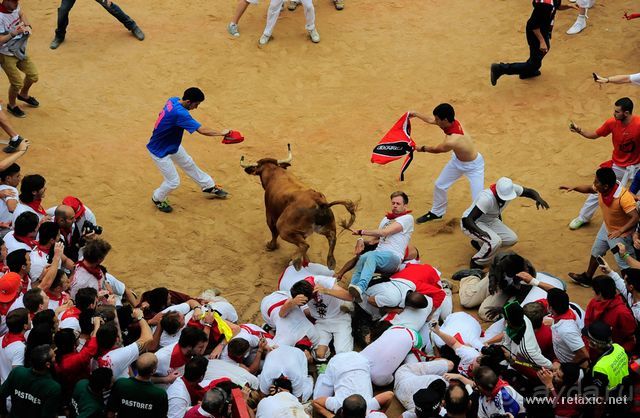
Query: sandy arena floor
[(101, 92)]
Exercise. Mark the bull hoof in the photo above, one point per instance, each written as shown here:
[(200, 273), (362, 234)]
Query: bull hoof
[(271, 246), (297, 264), (331, 262)]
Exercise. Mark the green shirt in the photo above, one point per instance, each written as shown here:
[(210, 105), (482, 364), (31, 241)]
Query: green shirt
[(133, 398), (32, 394), (84, 403)]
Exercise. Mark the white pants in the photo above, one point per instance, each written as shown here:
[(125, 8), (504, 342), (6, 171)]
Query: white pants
[(587, 4), (500, 235), (336, 329), (452, 171), (624, 176), (274, 11), (170, 174)]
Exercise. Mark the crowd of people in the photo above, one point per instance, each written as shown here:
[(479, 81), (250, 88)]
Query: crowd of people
[(76, 341)]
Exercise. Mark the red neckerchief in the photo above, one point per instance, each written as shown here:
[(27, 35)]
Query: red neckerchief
[(43, 249), (391, 216), (570, 315), (494, 190), (36, 205), (61, 299), (10, 338), (4, 9), (4, 307), (501, 384), (196, 392), (72, 312), (455, 128), (3, 268), (607, 199), (178, 359), (26, 240), (94, 271)]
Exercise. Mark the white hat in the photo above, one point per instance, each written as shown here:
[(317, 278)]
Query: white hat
[(505, 189)]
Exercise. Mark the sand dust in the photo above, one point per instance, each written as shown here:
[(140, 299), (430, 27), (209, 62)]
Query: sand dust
[(101, 91)]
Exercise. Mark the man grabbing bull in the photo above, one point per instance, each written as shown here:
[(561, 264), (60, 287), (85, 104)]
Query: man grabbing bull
[(392, 236)]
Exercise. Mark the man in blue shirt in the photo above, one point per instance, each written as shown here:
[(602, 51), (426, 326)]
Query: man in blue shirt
[(166, 149)]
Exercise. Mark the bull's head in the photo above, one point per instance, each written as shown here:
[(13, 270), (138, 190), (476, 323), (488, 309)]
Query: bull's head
[(256, 168)]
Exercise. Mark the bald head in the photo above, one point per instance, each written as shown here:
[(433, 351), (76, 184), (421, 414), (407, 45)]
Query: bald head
[(146, 365), (65, 216), (354, 406)]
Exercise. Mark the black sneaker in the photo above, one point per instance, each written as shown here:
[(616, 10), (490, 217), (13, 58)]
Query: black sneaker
[(163, 206), (138, 33), (429, 216), (56, 43), (31, 101), (581, 279), (16, 111), (461, 274), (13, 145), (217, 192), (475, 266), (495, 73)]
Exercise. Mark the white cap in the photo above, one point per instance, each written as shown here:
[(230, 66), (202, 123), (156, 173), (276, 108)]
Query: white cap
[(505, 189)]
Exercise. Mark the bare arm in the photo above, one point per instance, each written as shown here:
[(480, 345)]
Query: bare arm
[(52, 270), (425, 118), (336, 291), (447, 145), (615, 79), (585, 189), (581, 356), (543, 44), (392, 228), (448, 339), (24, 19), (146, 336), (469, 222), (12, 158), (535, 196), (203, 130), (292, 303), (587, 134)]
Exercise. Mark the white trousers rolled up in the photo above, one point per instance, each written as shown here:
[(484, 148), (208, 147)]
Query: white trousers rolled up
[(274, 11), (170, 175)]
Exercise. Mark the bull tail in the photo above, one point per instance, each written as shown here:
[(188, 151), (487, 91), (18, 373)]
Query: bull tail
[(351, 207)]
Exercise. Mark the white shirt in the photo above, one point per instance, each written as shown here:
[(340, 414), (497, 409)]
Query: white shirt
[(164, 360), (567, 339), (410, 378), (410, 317), (226, 309), (290, 275), (13, 244), (290, 329), (464, 327), (488, 204), (82, 278), (392, 293), (5, 215), (507, 400), (241, 377), (396, 243), (281, 405), (168, 339), (325, 306), (21, 208), (79, 223), (249, 332), (179, 399), (348, 374), (635, 78), (8, 23), (467, 356), (388, 352), (290, 362), (119, 360), (10, 356)]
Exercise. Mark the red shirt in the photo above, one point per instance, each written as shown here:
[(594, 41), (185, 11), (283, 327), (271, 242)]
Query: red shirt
[(625, 139), (75, 366), (426, 279), (545, 341)]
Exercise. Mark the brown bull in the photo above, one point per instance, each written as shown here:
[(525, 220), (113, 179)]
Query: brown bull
[(295, 211)]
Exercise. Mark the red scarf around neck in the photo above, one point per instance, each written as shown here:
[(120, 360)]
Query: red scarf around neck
[(178, 359), (72, 312), (455, 128), (94, 271), (607, 199), (26, 240), (501, 384), (391, 216), (570, 315), (10, 338), (36, 205), (196, 392)]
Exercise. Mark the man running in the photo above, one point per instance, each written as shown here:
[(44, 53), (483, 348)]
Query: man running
[(465, 160), (166, 149)]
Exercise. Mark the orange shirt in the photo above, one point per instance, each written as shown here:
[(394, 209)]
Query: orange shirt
[(616, 215), (625, 139)]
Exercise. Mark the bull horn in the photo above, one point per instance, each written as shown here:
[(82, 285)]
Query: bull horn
[(246, 165), (289, 157)]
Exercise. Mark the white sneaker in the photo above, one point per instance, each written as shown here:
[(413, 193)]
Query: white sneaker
[(232, 28), (578, 26), (314, 35), (576, 224), (264, 39), (572, 1)]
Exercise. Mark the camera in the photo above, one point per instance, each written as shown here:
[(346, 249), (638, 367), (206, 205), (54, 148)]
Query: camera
[(89, 228)]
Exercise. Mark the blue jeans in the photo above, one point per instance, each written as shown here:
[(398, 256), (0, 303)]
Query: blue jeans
[(368, 263), (602, 244), (114, 9)]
